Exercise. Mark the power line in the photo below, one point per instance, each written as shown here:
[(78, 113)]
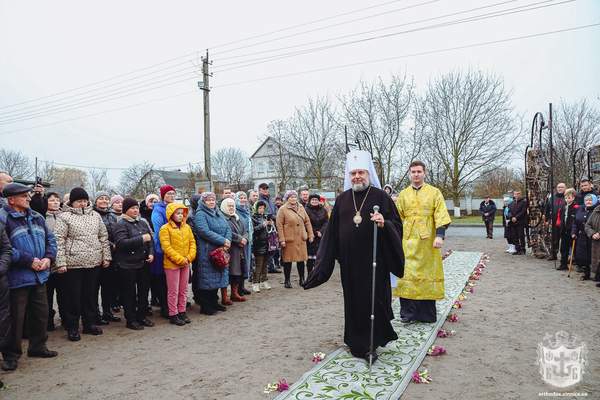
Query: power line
[(190, 54), (99, 113), (444, 50), (327, 27), (102, 99), (92, 100), (383, 36), (115, 168), (60, 100), (341, 66), (60, 103), (316, 21), (369, 31), (98, 82)]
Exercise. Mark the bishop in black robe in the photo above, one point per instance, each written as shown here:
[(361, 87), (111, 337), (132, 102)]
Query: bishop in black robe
[(352, 247)]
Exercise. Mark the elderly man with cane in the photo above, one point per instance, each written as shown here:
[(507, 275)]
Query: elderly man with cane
[(348, 239)]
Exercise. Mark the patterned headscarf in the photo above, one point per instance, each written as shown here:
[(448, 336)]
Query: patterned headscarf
[(207, 195), (289, 194)]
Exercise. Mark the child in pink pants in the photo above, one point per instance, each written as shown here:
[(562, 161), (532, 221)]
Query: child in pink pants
[(179, 248)]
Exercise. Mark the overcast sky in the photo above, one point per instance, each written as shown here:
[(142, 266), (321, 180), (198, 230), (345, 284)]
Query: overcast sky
[(48, 47)]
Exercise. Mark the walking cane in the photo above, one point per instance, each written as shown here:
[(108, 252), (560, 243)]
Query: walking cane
[(371, 350), (571, 260)]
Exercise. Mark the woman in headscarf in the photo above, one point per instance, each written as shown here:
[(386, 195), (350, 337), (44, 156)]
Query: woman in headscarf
[(213, 231), (583, 243), (239, 240), (318, 220), (242, 208), (506, 224), (294, 229)]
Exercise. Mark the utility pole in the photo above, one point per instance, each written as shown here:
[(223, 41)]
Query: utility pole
[(204, 86)]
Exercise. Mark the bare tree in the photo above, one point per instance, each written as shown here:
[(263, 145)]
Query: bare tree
[(379, 115), (139, 180), (98, 180), (285, 162), (575, 126), (195, 174), (315, 134), (47, 172), (469, 126), (231, 165), (65, 179), (498, 181), (16, 164)]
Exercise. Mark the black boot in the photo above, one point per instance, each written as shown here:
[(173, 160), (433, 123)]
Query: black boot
[(242, 289), (300, 267), (287, 272), (309, 267)]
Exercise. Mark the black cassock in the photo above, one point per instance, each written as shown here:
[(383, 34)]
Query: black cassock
[(353, 247)]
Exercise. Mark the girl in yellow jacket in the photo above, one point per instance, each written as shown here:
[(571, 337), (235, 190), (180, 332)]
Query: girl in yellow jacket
[(179, 247)]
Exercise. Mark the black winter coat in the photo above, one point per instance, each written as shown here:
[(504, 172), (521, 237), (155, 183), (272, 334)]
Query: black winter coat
[(260, 237), (131, 251), (489, 208), (518, 210), (5, 254), (580, 197), (567, 218), (583, 244), (146, 213), (110, 221), (319, 220)]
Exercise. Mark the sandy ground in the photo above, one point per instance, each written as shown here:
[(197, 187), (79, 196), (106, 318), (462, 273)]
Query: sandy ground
[(234, 354)]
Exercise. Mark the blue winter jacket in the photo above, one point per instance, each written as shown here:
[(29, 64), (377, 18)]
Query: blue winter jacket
[(212, 229), (159, 218), (30, 238)]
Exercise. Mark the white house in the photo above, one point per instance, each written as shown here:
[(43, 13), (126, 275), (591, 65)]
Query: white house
[(266, 166)]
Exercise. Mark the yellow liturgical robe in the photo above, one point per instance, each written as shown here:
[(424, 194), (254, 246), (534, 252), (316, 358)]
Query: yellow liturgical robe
[(422, 212)]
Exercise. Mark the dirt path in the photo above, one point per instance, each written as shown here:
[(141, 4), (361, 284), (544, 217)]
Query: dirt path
[(233, 355)]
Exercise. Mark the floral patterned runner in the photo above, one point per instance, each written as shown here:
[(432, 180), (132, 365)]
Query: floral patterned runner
[(341, 376)]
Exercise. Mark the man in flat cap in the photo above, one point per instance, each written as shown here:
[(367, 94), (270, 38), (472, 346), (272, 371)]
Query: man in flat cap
[(33, 249)]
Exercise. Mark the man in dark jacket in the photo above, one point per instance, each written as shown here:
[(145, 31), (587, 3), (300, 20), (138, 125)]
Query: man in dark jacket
[(33, 250), (265, 195), (518, 212), (487, 208), (5, 254), (551, 212), (585, 188)]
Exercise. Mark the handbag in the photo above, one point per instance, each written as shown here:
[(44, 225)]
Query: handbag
[(272, 239), (219, 258)]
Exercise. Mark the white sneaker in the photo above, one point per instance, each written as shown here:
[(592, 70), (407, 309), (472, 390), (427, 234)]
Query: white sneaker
[(512, 249), (256, 288), (265, 285)]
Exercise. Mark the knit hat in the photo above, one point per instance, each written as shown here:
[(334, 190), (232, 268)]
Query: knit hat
[(115, 198), (150, 197), (289, 194), (129, 202), (100, 194), (164, 189), (78, 194), (314, 196)]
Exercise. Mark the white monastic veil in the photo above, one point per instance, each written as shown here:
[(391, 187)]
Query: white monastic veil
[(360, 159)]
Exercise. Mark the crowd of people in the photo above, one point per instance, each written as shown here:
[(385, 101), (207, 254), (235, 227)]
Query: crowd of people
[(572, 219), (95, 256)]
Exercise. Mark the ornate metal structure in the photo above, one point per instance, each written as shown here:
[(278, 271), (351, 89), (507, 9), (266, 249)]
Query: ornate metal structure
[(539, 181)]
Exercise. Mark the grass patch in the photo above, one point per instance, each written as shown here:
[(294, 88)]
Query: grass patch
[(468, 220)]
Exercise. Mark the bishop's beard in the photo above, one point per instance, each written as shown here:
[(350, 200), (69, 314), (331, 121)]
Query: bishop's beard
[(359, 187)]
